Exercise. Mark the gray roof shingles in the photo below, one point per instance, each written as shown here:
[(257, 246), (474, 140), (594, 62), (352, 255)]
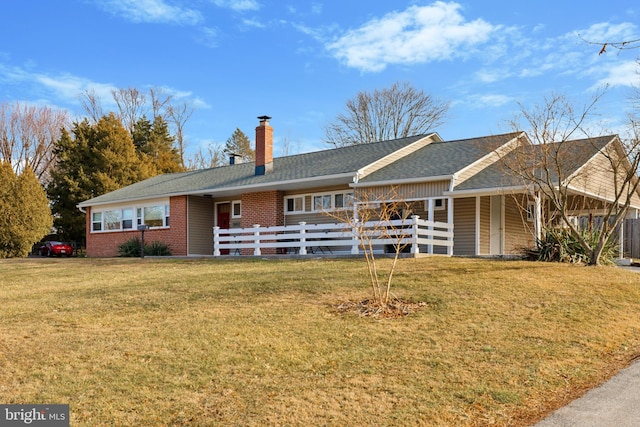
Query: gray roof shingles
[(571, 156), (435, 159), (440, 158), (317, 164)]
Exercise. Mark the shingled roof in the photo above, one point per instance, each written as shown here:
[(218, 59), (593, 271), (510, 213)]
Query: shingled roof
[(341, 163), (571, 155), (440, 159)]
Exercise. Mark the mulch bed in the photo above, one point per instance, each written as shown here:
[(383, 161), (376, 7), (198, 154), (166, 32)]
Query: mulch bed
[(368, 308)]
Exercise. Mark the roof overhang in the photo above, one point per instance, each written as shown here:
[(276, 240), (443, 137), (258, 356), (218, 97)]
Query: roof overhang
[(401, 181), (290, 185)]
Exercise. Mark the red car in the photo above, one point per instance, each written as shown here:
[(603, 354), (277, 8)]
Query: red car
[(56, 248)]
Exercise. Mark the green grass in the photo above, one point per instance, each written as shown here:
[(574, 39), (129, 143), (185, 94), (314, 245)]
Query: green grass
[(255, 342)]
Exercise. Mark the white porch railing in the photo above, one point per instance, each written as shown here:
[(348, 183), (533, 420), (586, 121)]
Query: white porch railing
[(303, 239)]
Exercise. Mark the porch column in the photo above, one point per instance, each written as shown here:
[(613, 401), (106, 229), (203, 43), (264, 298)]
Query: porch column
[(430, 217), (216, 241), (477, 230), (621, 240), (537, 221), (450, 221)]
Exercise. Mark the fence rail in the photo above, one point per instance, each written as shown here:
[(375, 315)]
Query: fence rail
[(416, 234)]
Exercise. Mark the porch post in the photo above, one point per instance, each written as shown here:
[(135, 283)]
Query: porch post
[(477, 230), (303, 239), (415, 249), (256, 240), (430, 216), (216, 241), (621, 240), (354, 239), (450, 221), (538, 216)]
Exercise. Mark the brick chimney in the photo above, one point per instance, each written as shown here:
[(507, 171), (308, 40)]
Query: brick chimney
[(264, 146)]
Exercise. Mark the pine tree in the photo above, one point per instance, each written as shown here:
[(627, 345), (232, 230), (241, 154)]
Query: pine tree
[(155, 145), (239, 144), (98, 159)]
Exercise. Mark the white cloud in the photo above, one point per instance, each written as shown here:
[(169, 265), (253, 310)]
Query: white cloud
[(621, 74), (605, 32), (208, 36), (418, 34), (66, 88), (238, 5), (153, 11)]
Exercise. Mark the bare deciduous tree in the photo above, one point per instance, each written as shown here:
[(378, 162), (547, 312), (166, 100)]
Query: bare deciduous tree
[(396, 112), (132, 106), (92, 105), (178, 115), (378, 216), (28, 134), (212, 156), (550, 167)]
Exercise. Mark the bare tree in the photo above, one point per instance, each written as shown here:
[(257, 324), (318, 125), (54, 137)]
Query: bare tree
[(28, 134), (178, 115), (396, 112), (212, 156), (565, 168), (92, 105), (132, 106), (160, 101), (378, 217)]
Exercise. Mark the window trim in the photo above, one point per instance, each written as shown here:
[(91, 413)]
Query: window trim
[(235, 203), (293, 199), (442, 207), (136, 218), (348, 200)]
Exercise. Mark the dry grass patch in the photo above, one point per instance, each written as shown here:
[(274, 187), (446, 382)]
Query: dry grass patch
[(253, 342)]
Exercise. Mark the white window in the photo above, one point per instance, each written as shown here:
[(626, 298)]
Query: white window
[(127, 219), (96, 221), (112, 219), (322, 202), (236, 209), (130, 217), (154, 216), (343, 200), (438, 205), (294, 204)]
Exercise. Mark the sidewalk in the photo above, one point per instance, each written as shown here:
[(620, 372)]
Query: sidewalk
[(615, 403)]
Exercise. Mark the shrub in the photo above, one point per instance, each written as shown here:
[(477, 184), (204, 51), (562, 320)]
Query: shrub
[(559, 245), (157, 249), (131, 248)]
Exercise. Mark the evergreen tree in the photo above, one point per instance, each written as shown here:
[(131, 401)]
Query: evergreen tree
[(25, 216), (155, 145), (240, 145), (97, 159)]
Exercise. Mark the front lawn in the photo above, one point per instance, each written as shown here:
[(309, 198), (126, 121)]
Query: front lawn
[(256, 342)]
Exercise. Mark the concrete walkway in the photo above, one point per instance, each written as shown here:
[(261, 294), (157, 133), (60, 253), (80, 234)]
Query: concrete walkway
[(615, 403)]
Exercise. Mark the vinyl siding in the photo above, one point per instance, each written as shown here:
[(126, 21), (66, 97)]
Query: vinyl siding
[(201, 221), (518, 231), (596, 178), (464, 218), (409, 191), (485, 225)]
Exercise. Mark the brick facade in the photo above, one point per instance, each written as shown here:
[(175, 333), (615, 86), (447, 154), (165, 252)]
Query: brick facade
[(263, 208), (105, 244)]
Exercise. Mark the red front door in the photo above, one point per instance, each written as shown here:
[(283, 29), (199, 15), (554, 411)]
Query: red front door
[(224, 214)]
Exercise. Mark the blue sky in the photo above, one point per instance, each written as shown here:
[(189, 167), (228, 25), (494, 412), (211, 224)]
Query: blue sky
[(299, 62)]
